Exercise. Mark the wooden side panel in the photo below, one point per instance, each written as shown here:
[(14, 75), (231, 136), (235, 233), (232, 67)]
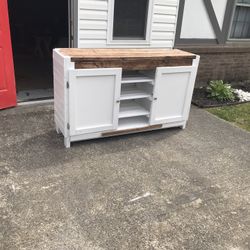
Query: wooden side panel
[(7, 78), (61, 65), (59, 91)]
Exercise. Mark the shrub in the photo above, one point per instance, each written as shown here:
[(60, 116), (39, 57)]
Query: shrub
[(220, 91)]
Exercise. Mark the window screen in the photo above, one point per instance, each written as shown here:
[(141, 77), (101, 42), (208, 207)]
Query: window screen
[(130, 19), (241, 22)]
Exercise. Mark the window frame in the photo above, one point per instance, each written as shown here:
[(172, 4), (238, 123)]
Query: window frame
[(230, 39), (121, 42)]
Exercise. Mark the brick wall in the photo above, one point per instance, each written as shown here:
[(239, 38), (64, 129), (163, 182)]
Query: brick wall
[(229, 63)]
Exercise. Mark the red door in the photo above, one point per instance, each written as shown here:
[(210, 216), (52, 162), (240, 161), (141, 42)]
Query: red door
[(7, 78)]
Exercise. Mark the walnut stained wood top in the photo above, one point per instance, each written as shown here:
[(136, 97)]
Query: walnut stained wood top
[(100, 54), (128, 59)]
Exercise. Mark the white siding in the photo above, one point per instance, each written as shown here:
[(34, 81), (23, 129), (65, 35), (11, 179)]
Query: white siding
[(93, 24), (164, 23)]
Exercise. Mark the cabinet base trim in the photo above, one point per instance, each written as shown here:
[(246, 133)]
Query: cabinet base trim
[(68, 140), (127, 131)]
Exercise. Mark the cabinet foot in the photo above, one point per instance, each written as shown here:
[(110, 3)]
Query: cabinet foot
[(57, 130), (67, 142), (184, 126)]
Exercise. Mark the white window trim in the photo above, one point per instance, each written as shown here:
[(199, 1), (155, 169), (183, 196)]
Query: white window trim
[(230, 39), (146, 41)]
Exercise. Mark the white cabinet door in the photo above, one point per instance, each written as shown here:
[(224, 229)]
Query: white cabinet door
[(172, 94), (94, 100)]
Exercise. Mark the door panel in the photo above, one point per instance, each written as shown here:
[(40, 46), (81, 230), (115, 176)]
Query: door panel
[(93, 100), (172, 88), (7, 79)]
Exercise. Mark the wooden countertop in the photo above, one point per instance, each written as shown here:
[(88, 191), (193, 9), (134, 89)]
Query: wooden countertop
[(128, 59), (99, 54)]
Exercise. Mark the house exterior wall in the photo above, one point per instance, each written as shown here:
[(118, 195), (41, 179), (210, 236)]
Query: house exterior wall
[(94, 24), (199, 25), (207, 33), (229, 63)]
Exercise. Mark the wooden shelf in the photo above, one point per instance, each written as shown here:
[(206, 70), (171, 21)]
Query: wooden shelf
[(133, 92), (136, 79), (133, 123), (132, 109)]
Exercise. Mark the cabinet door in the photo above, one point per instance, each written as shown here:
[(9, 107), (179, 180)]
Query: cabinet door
[(172, 94), (94, 100)]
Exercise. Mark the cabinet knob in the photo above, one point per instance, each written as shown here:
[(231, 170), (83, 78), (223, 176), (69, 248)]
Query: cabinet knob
[(155, 99)]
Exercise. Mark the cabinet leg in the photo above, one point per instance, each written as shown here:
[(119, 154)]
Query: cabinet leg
[(67, 142), (184, 126), (57, 130)]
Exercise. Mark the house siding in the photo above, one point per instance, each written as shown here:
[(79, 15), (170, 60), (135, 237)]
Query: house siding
[(93, 24), (206, 34), (164, 23)]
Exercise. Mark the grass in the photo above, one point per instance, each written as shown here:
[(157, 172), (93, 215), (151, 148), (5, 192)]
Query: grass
[(238, 114)]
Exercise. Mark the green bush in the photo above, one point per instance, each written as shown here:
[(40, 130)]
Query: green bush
[(220, 91)]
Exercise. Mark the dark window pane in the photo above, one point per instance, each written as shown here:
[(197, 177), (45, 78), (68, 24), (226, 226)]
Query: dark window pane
[(130, 19), (241, 23), (244, 1)]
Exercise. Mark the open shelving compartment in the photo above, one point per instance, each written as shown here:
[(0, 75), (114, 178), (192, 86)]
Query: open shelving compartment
[(136, 100)]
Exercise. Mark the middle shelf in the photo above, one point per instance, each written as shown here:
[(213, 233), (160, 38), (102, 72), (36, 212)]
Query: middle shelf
[(129, 92), (131, 108)]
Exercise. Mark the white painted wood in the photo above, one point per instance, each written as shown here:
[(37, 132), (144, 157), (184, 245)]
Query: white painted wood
[(131, 109), (100, 135), (137, 78), (96, 102), (190, 89), (93, 96), (67, 142), (61, 65), (133, 92), (172, 94), (133, 123)]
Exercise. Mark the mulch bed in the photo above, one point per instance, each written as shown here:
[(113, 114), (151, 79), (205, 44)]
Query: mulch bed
[(201, 100)]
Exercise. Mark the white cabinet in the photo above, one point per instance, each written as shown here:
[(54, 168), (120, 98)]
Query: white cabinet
[(94, 96), (107, 101), (172, 94)]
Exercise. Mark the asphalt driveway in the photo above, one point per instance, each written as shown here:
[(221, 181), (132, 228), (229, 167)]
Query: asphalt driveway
[(169, 189)]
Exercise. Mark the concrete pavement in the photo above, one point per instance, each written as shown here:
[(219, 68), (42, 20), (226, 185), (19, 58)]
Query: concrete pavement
[(169, 189)]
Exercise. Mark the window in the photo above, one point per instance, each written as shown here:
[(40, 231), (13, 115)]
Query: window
[(241, 22), (130, 20)]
